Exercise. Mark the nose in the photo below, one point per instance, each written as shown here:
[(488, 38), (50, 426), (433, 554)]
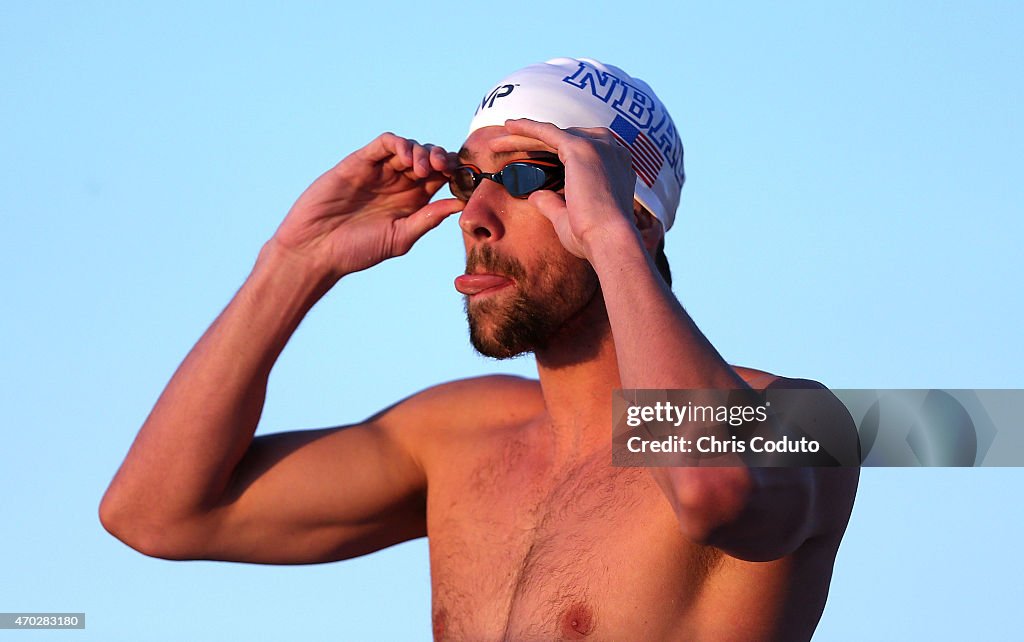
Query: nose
[(481, 219)]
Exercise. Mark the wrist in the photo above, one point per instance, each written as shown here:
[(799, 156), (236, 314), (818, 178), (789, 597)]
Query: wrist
[(614, 247), (278, 266)]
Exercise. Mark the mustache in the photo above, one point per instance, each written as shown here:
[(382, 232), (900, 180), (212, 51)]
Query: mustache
[(486, 259)]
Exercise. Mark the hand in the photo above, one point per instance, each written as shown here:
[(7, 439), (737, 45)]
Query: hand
[(371, 206), (599, 179)]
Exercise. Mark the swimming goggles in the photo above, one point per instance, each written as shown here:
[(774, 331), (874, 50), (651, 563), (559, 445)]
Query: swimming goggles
[(519, 177)]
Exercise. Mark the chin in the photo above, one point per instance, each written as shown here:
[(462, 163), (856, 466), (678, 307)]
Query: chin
[(529, 316), (498, 339), (520, 325)]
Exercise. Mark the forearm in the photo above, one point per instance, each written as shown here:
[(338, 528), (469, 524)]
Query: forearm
[(657, 344), (202, 424)]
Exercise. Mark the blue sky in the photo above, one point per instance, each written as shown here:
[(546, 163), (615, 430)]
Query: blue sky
[(852, 214)]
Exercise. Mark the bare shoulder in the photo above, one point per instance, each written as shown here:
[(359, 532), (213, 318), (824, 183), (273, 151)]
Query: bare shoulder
[(756, 379), (759, 380), (493, 398), (836, 487), (458, 415)]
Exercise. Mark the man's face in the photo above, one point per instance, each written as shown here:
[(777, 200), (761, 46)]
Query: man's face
[(521, 285)]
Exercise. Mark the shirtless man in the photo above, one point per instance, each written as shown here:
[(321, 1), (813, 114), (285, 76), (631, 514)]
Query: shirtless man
[(533, 534)]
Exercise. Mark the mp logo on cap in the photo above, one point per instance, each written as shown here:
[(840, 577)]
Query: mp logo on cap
[(498, 92)]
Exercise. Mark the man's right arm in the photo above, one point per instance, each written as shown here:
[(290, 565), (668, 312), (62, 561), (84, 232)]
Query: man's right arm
[(195, 484)]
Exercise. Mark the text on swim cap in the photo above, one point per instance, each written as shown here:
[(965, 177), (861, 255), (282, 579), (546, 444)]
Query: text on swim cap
[(498, 92), (635, 105)]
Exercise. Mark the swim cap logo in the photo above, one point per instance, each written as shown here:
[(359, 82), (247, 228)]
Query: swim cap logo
[(498, 92), (643, 113)]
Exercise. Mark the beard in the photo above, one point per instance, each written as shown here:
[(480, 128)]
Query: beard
[(539, 307)]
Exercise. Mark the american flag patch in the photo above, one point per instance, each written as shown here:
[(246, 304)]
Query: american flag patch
[(647, 160)]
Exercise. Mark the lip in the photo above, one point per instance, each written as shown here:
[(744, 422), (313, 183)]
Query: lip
[(482, 283)]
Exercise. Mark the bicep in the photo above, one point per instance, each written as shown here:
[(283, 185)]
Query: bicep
[(331, 494), (316, 496)]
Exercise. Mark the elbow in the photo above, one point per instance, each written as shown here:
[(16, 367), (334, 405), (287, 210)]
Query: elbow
[(142, 532), (112, 516), (756, 515), (709, 500), (125, 526)]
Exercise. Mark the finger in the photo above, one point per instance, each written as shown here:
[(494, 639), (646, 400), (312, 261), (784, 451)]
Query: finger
[(432, 162), (428, 217), (406, 156), (405, 152), (380, 148), (519, 143), (440, 160), (421, 160), (435, 182), (544, 132), (597, 133), (409, 153), (397, 153), (600, 133), (387, 146), (551, 206)]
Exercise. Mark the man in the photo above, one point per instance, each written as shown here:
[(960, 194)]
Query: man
[(534, 535)]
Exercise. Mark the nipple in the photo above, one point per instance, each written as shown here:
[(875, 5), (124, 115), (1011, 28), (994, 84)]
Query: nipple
[(577, 621)]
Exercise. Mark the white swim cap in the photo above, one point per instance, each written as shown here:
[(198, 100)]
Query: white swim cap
[(570, 92)]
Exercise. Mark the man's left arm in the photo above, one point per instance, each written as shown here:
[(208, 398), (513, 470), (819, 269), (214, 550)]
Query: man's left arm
[(755, 514)]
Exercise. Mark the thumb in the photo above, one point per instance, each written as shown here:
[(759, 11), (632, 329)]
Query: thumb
[(552, 206), (428, 217)]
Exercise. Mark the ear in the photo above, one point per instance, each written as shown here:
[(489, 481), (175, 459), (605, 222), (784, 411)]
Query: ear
[(651, 230)]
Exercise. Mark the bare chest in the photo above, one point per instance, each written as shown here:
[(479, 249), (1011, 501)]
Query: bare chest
[(521, 555)]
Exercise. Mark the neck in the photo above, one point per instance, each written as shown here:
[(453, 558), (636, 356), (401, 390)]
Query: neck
[(578, 371)]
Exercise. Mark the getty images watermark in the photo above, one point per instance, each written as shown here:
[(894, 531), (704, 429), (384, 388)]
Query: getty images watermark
[(783, 427)]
